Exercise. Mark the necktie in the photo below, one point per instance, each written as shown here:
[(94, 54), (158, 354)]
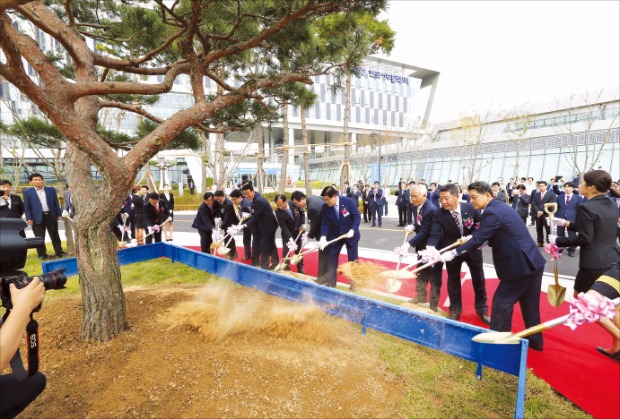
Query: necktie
[(237, 213), (336, 209), (567, 200), (455, 215), (288, 211)]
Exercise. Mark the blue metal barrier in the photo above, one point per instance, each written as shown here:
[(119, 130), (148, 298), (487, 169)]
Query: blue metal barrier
[(434, 332)]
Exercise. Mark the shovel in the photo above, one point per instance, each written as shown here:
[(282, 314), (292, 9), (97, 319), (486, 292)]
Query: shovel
[(297, 258), (513, 338), (153, 232), (392, 284), (555, 292)]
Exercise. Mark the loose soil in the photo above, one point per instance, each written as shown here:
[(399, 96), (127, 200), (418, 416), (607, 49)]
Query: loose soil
[(220, 350)]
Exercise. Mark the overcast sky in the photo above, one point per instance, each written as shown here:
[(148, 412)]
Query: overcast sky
[(495, 55)]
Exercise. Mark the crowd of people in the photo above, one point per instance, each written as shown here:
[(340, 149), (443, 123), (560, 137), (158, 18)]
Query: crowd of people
[(458, 220)]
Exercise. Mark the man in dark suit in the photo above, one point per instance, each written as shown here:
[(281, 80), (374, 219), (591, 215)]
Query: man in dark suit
[(366, 203), (290, 220), (568, 202), (43, 213), (11, 205), (265, 223), (156, 212), (520, 201), (339, 215), (451, 222), (538, 208), (311, 209), (376, 200), (227, 214), (204, 221), (402, 203), (518, 263), (423, 213)]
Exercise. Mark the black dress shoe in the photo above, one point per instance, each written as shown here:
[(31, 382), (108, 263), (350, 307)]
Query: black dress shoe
[(615, 357), (44, 257), (571, 253), (301, 271), (540, 245), (454, 316), (373, 224), (485, 318)]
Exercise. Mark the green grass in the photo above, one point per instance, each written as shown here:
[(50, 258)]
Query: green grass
[(437, 385)]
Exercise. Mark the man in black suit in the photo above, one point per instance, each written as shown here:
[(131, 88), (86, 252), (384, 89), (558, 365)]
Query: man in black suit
[(538, 208), (366, 203), (520, 201), (376, 200), (155, 214), (290, 220), (423, 212), (518, 262), (264, 220), (402, 203), (452, 221), (311, 208), (205, 221), (568, 202), (227, 214), (11, 205)]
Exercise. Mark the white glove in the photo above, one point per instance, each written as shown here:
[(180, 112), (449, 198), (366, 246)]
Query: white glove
[(303, 227), (150, 230), (465, 239), (402, 250), (552, 238), (120, 227), (409, 228), (170, 212), (65, 214), (241, 227), (350, 233), (322, 242), (556, 222), (245, 215), (448, 256)]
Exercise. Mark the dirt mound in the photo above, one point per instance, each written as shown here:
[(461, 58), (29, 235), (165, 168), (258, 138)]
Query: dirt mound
[(216, 351)]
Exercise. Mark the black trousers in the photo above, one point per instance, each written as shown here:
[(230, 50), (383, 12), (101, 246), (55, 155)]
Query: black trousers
[(525, 291), (51, 225), (477, 279), (430, 275), (206, 240), (402, 215), (268, 250), (540, 223), (17, 395), (366, 210), (247, 243)]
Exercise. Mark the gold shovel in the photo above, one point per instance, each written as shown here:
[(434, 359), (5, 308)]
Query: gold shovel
[(393, 284), (513, 338), (555, 292), (295, 259)]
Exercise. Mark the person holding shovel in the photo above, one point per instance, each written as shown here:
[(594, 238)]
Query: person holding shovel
[(339, 215), (518, 262), (595, 224)]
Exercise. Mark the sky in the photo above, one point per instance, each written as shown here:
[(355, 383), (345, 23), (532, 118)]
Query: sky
[(498, 55)]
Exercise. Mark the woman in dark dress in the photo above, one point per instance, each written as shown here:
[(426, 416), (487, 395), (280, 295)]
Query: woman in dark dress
[(595, 224), (168, 199)]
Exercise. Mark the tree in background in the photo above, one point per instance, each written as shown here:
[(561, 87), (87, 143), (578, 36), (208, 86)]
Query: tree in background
[(354, 37), (153, 47)]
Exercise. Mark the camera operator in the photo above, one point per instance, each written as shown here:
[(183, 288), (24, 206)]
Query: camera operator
[(16, 395)]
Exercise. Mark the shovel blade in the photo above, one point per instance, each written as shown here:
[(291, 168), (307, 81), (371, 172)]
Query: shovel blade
[(496, 337), (556, 294), (393, 285), (398, 274)]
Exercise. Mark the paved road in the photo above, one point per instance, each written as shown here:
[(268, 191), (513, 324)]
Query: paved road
[(390, 236)]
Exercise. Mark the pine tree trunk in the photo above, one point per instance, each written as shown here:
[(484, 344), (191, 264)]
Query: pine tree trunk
[(103, 300)]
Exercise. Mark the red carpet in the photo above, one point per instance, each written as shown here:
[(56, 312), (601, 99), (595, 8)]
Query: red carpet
[(570, 362)]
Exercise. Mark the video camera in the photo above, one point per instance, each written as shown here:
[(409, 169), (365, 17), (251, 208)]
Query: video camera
[(13, 252)]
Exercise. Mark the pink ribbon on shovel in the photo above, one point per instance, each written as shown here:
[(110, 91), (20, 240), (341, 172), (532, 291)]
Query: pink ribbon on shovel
[(553, 251), (588, 308)]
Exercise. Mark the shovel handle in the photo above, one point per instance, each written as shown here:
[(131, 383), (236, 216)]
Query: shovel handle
[(452, 246), (400, 258)]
